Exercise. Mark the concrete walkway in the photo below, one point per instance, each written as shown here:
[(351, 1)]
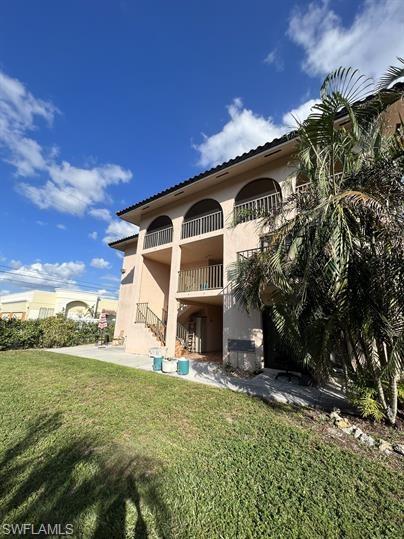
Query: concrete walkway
[(263, 385)]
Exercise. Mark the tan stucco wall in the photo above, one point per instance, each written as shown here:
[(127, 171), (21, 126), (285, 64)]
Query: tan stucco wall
[(125, 306), (152, 279), (155, 282)]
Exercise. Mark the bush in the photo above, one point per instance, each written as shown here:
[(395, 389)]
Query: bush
[(19, 334), (365, 398), (52, 332)]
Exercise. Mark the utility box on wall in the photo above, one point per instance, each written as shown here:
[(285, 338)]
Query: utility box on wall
[(242, 354)]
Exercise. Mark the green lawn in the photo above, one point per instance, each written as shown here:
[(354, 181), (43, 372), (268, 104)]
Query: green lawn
[(124, 453)]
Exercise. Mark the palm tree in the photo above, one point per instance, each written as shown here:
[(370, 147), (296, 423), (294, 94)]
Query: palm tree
[(332, 275)]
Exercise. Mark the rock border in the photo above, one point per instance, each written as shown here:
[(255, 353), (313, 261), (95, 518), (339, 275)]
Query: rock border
[(378, 443)]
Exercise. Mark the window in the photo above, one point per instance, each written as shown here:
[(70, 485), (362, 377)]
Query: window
[(44, 312)]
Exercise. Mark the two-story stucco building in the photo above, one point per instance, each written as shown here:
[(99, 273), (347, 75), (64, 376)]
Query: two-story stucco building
[(175, 286)]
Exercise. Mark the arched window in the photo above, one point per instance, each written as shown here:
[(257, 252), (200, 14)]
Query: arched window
[(257, 199), (163, 221), (159, 232), (203, 217)]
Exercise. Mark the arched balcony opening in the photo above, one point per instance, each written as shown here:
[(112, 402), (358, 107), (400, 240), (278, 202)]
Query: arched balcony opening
[(203, 217), (257, 199), (159, 232)]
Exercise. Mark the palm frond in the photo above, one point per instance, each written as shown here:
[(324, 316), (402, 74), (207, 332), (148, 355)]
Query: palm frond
[(392, 75)]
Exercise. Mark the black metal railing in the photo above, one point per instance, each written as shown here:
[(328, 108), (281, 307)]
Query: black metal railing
[(146, 316)]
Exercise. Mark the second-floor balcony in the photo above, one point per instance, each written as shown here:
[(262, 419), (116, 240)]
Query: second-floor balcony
[(160, 237), (159, 232), (201, 279), (258, 198), (204, 217), (202, 225), (256, 208)]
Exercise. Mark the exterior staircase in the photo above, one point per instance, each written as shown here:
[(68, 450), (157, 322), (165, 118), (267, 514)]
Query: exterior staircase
[(149, 331), (144, 315)]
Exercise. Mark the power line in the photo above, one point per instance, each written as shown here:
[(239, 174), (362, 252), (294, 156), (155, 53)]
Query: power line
[(24, 285), (24, 277), (36, 273)]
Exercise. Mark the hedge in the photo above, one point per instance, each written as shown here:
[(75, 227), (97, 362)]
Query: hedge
[(50, 332)]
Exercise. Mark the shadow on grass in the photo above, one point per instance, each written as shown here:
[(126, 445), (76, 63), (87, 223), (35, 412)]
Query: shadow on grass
[(102, 493)]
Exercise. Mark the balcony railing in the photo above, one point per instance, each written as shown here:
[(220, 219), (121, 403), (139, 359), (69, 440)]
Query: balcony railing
[(302, 187), (159, 237), (199, 279), (202, 225), (259, 207), (248, 253)]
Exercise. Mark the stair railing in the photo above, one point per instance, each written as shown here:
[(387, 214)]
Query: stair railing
[(182, 335), (146, 316)]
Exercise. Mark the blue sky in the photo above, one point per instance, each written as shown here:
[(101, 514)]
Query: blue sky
[(103, 103)]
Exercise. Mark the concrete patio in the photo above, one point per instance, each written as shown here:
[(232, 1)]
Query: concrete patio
[(264, 385)]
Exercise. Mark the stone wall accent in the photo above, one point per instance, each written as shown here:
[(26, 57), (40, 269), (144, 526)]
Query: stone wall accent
[(382, 445)]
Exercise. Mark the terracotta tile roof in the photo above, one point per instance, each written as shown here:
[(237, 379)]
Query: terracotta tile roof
[(122, 240), (252, 153)]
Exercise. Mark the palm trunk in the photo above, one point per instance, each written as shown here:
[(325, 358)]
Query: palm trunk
[(351, 351), (382, 397), (392, 409)]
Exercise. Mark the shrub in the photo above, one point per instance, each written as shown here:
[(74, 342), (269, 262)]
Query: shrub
[(52, 332), (365, 398), (19, 334)]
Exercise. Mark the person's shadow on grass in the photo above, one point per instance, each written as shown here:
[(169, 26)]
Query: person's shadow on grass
[(46, 478)]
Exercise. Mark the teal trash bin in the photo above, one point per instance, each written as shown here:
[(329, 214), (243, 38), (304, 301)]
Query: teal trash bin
[(183, 366), (157, 363)]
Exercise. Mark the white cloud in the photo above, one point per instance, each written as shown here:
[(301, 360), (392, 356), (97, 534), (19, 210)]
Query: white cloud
[(15, 264), (273, 58), (107, 293), (61, 227), (19, 110), (4, 292), (100, 213), (111, 278), (370, 43), (44, 275), (65, 187), (93, 235), (270, 57), (41, 223), (244, 131), (119, 255), (300, 113), (102, 292), (119, 229), (71, 189), (99, 263)]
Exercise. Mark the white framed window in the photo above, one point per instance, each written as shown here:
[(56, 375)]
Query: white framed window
[(44, 312)]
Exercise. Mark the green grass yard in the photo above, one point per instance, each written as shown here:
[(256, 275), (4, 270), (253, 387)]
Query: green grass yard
[(124, 453)]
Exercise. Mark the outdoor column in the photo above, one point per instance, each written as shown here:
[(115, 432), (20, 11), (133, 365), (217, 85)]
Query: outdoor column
[(172, 313)]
